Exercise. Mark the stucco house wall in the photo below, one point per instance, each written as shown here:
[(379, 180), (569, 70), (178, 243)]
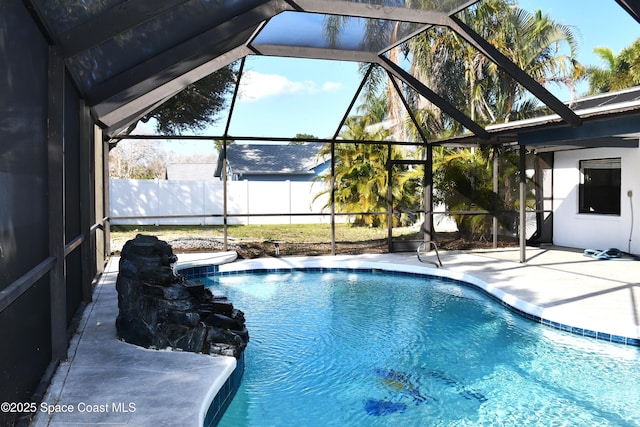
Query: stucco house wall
[(576, 230)]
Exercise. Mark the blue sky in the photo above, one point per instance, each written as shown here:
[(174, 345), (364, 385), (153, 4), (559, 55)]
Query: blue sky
[(286, 96), (282, 96), (599, 23)]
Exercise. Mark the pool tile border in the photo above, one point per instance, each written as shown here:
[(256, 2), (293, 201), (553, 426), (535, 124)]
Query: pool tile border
[(193, 273), (225, 395)]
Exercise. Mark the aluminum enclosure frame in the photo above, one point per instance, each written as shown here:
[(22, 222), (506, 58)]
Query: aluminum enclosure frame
[(61, 94)]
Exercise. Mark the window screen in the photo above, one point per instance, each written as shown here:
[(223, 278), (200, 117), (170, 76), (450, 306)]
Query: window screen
[(600, 186)]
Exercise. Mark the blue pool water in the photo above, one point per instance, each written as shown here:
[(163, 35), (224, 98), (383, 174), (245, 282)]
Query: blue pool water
[(371, 349)]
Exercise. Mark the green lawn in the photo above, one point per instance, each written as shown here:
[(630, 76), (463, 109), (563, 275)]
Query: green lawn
[(295, 233)]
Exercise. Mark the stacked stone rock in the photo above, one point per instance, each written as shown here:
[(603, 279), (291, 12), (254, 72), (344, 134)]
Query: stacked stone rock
[(160, 309)]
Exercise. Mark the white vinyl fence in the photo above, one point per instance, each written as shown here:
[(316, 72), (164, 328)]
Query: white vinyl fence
[(202, 202)]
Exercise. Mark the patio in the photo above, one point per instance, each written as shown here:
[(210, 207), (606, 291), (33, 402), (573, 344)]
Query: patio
[(559, 285)]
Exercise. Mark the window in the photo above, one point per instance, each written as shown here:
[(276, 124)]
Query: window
[(600, 186)]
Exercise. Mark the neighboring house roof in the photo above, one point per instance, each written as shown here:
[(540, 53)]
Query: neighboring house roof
[(271, 159), (191, 171)]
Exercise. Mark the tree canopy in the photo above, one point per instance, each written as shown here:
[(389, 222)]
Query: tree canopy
[(543, 48), (620, 71), (197, 106), (361, 177)]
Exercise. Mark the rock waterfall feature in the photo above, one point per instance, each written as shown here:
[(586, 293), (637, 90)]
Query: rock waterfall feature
[(161, 309)]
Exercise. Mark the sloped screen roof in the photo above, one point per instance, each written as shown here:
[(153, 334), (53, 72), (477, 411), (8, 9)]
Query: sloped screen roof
[(128, 56), (334, 32)]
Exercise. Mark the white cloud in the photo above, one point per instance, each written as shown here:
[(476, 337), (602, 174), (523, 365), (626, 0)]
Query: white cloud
[(255, 86), (331, 86)]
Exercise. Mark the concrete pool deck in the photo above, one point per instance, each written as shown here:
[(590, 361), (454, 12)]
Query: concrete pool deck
[(105, 381)]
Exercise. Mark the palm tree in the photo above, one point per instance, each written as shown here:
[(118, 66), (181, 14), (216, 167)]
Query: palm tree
[(361, 176), (534, 42), (467, 79), (464, 178), (621, 71), (465, 185)]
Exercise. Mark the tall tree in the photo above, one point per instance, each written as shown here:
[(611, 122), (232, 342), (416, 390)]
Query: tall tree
[(302, 138), (196, 106), (137, 160), (621, 71), (543, 48)]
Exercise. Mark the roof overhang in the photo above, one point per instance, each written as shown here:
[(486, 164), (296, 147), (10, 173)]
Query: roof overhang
[(615, 125)]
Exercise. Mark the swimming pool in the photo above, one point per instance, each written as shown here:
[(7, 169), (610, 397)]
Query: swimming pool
[(365, 348)]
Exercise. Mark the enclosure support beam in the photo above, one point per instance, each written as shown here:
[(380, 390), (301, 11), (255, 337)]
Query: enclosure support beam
[(389, 199), (353, 102), (439, 101), (106, 205), (98, 206), (55, 145), (87, 214), (429, 235), (522, 232), (427, 189), (632, 8), (236, 90), (333, 198), (495, 156), (225, 244)]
